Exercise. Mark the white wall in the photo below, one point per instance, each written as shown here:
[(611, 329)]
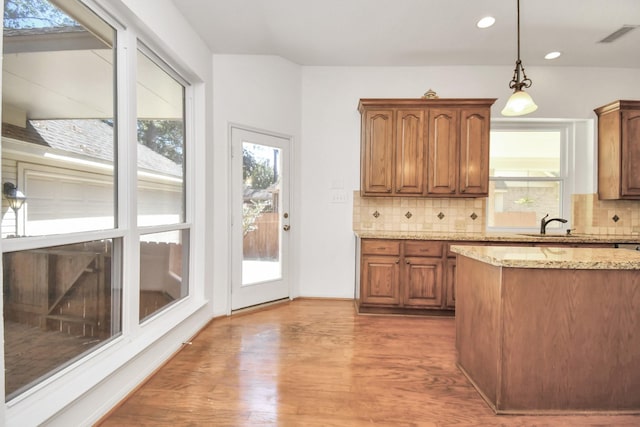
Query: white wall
[(261, 92), (331, 139)]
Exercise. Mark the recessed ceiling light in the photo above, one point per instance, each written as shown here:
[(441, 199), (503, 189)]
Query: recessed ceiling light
[(552, 55), (486, 22)]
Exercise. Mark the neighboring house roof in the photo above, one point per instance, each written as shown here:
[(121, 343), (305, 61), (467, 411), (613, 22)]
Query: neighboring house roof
[(43, 31), (26, 134), (91, 138), (249, 193)]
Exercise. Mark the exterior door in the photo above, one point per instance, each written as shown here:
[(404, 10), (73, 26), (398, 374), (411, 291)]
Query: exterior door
[(260, 217)]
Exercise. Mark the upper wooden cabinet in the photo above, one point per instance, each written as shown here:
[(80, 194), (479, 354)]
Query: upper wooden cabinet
[(619, 150), (425, 147)]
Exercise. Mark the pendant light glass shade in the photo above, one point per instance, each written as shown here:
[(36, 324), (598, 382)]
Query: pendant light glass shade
[(519, 104)]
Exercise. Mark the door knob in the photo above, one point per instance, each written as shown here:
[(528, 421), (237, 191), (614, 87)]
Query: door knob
[(286, 227)]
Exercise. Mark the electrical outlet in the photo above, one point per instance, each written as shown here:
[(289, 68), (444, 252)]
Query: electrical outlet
[(339, 196)]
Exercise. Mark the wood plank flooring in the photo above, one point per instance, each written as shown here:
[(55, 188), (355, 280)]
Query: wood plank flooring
[(317, 363)]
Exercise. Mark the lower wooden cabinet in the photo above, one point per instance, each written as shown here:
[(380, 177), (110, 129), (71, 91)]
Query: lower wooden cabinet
[(396, 276), (416, 276)]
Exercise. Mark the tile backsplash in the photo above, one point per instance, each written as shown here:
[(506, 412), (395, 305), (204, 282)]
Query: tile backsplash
[(593, 216), (418, 214), (588, 214)]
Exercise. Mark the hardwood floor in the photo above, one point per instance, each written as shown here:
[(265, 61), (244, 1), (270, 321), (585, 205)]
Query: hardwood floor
[(317, 363)]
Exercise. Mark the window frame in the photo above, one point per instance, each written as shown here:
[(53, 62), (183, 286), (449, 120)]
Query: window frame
[(567, 166)]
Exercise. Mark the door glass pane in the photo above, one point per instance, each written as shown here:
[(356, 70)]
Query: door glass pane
[(261, 214), (58, 138), (164, 261), (160, 145), (59, 303)]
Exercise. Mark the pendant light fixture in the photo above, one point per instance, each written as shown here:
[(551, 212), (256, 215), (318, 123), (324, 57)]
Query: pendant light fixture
[(520, 103)]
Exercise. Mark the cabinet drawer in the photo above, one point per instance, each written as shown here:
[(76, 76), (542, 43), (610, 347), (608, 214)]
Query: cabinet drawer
[(423, 248), (380, 247)]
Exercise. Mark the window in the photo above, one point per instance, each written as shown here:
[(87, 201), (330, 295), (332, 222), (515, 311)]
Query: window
[(61, 300), (163, 276), (160, 129), (160, 193), (58, 112), (528, 174), (66, 148)]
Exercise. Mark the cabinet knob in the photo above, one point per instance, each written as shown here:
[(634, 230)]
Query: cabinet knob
[(408, 262), (463, 190), (398, 261)]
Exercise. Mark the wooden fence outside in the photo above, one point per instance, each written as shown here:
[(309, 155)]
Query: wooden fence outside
[(263, 242)]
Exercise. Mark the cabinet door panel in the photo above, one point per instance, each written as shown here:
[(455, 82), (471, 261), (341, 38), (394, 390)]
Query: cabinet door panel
[(410, 150), (631, 153), (423, 282), (474, 152), (442, 162), (377, 151), (380, 280)]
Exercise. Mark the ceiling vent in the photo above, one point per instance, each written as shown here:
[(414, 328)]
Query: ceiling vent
[(618, 33)]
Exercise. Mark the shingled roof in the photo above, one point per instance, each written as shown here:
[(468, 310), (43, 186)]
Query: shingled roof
[(92, 138)]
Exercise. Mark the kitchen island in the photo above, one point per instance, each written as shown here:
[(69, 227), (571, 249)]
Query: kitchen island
[(550, 330)]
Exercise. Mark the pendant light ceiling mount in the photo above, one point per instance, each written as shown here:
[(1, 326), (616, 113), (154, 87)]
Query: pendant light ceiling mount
[(520, 103)]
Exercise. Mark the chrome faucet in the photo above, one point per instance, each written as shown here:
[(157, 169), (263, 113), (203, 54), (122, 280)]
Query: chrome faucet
[(544, 222)]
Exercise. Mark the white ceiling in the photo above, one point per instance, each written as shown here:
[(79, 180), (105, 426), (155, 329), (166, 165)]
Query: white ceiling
[(419, 32)]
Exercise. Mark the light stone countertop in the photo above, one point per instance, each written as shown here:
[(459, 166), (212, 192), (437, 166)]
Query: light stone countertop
[(546, 257), (500, 237)]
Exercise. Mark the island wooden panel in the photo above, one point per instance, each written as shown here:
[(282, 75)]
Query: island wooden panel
[(477, 329), (550, 340), (570, 339)]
